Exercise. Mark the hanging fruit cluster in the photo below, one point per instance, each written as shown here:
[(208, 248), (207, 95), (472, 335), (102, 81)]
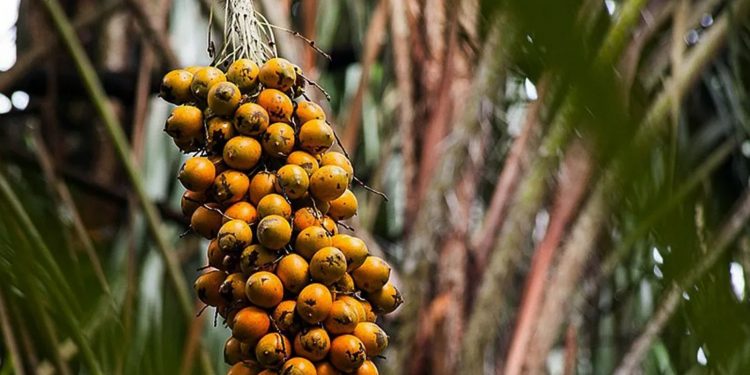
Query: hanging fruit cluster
[(268, 191)]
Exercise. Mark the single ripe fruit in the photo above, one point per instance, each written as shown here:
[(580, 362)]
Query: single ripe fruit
[(256, 257), (215, 255), (278, 73), (326, 368), (185, 123), (338, 159), (294, 272), (342, 318), (344, 285), (278, 140), (373, 337), (292, 181), (370, 315), (312, 343), (277, 104), (273, 350), (264, 289), (354, 249), (230, 187), (234, 236), (242, 153), (315, 136), (310, 240), (233, 288), (190, 202), (274, 204), (261, 185), (344, 206), (207, 287), (367, 368), (286, 318), (206, 221), (328, 265), (175, 86), (328, 182), (244, 368), (347, 353), (372, 275), (306, 217), (241, 211), (224, 98), (356, 305), (204, 79), (197, 174), (250, 324), (251, 119), (244, 74), (298, 366), (304, 160), (274, 232), (314, 303), (307, 111), (385, 300), (232, 351), (219, 131)]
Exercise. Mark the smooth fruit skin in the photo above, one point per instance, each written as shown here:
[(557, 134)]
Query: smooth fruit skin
[(261, 185), (294, 272), (338, 159), (306, 217), (242, 153), (312, 343), (234, 236), (292, 181), (250, 324), (356, 305), (328, 182), (244, 74), (310, 240), (304, 160), (316, 136), (244, 368), (274, 204), (274, 232), (385, 300), (354, 249), (175, 86), (367, 368), (206, 221), (185, 123), (326, 368), (372, 275), (241, 211), (204, 79), (342, 318), (314, 303), (251, 119), (232, 351), (197, 174), (277, 104), (278, 73), (298, 366), (373, 337), (264, 289), (207, 287), (347, 353), (344, 207), (307, 111), (224, 98)]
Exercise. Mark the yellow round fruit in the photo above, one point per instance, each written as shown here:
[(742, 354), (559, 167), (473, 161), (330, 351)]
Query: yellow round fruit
[(338, 159), (307, 111), (310, 240), (257, 258), (251, 119), (277, 104), (344, 285), (298, 366), (385, 300), (273, 350), (342, 318), (274, 232), (244, 74), (304, 160), (185, 123), (328, 182), (292, 181), (316, 136), (224, 98), (347, 353), (344, 207), (230, 187), (241, 211), (264, 289), (175, 86), (278, 140), (286, 318), (312, 343), (294, 272), (207, 287), (354, 249), (233, 288), (274, 204), (242, 153), (234, 236), (206, 220), (204, 79), (372, 275), (219, 131), (328, 265), (314, 303), (197, 174), (278, 73), (373, 337)]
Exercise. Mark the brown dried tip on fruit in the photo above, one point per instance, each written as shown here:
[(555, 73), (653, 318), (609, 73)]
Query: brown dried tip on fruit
[(242, 153), (372, 275), (312, 343), (328, 182), (354, 249), (251, 119), (261, 185), (207, 287), (230, 187), (342, 318), (264, 289), (274, 204), (233, 288), (294, 272), (278, 73), (292, 181), (314, 303), (197, 174), (190, 202), (278, 140), (310, 240), (344, 207), (385, 300), (241, 211), (219, 131), (298, 366), (307, 111), (328, 265), (274, 232), (347, 353), (224, 98), (277, 104), (315, 136), (206, 220), (300, 83), (234, 236), (286, 318), (273, 350), (244, 74), (373, 337), (304, 160), (257, 258), (250, 324), (245, 368), (204, 79), (175, 86)]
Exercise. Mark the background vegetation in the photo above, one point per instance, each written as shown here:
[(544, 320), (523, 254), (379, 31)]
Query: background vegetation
[(568, 181)]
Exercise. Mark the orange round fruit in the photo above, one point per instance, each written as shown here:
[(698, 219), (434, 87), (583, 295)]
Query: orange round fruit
[(342, 318), (274, 204), (308, 111), (354, 249), (206, 220), (190, 202), (344, 207), (373, 337), (312, 343), (344, 285), (193, 69), (224, 98), (372, 275), (326, 368), (306, 217), (175, 86), (304, 160), (197, 174), (232, 351), (215, 255), (273, 350), (207, 287), (298, 366), (264, 289), (244, 74), (251, 119), (244, 368), (241, 211), (277, 104), (274, 232), (316, 136), (338, 159), (314, 303), (328, 265), (242, 152), (219, 131), (185, 123), (234, 236), (328, 182), (347, 353), (292, 181), (286, 318), (204, 79), (261, 185), (278, 140), (256, 257), (367, 368), (385, 300), (230, 187), (250, 324), (294, 272), (370, 315), (356, 305), (278, 73), (330, 225), (310, 240), (233, 288)]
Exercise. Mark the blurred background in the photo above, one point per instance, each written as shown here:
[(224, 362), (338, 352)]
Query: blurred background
[(568, 181)]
